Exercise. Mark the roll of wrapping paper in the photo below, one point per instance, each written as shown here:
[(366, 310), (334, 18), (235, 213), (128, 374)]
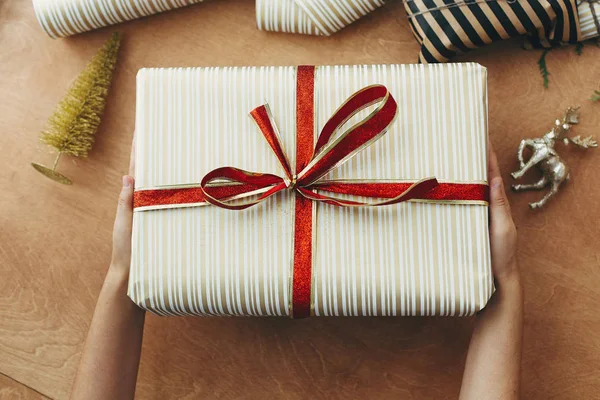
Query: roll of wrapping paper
[(61, 18), (445, 29), (588, 27), (589, 18)]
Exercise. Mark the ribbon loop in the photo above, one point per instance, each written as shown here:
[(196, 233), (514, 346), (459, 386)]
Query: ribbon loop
[(331, 153), (264, 120), (266, 184)]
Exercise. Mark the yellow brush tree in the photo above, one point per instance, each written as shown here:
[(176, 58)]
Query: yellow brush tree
[(72, 126)]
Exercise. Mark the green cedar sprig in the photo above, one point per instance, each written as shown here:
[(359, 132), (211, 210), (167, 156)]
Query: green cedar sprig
[(544, 68)]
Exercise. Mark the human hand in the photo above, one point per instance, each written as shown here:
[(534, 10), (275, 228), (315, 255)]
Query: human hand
[(111, 356), (121, 253), (503, 234), (493, 362)]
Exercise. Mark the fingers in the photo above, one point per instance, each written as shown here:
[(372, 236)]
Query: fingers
[(499, 206), (123, 222), (503, 234), (132, 157), (121, 256), (498, 200), (493, 168)]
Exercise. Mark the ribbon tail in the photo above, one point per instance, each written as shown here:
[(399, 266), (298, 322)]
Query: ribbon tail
[(417, 190)]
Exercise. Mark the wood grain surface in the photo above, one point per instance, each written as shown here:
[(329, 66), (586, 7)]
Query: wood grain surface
[(11, 389), (55, 240)]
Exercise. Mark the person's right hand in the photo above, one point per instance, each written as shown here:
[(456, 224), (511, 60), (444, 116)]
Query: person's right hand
[(503, 234), (493, 362)]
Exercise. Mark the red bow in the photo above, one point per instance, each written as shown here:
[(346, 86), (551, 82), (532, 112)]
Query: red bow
[(330, 152)]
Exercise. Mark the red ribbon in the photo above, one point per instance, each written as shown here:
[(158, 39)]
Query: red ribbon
[(330, 151)]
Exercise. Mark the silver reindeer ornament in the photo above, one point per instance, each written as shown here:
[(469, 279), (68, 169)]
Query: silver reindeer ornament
[(554, 170)]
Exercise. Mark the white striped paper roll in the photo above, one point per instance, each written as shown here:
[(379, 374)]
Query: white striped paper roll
[(61, 18), (312, 17), (405, 259), (586, 11)]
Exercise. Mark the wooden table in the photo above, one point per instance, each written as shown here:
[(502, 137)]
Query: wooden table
[(55, 240)]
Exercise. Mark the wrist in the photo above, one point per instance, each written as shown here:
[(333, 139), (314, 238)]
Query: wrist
[(510, 292), (116, 284), (507, 298), (510, 279), (117, 275)]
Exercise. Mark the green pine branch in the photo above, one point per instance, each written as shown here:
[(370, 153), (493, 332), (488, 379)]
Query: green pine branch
[(72, 126), (595, 96), (544, 68)]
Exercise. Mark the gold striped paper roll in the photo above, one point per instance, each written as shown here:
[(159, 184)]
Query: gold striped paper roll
[(61, 18)]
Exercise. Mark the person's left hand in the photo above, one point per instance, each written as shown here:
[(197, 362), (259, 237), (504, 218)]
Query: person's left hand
[(111, 356), (121, 253)]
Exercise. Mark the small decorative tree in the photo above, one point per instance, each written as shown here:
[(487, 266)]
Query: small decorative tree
[(72, 126)]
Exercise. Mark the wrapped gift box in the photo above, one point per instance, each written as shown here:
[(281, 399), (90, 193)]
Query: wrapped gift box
[(420, 257)]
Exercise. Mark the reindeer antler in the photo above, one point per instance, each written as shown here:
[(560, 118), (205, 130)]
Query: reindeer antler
[(584, 143), (571, 116)]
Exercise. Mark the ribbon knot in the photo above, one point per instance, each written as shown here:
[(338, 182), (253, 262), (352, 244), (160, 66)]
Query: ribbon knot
[(332, 149), (291, 184)]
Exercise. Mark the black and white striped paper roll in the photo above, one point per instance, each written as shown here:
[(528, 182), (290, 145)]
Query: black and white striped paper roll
[(445, 28)]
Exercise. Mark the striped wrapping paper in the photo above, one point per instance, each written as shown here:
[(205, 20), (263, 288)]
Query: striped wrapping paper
[(61, 18), (411, 258), (446, 28), (312, 17), (589, 18)]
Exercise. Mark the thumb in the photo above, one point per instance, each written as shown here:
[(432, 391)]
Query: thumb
[(503, 234), (499, 206), (123, 222)]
